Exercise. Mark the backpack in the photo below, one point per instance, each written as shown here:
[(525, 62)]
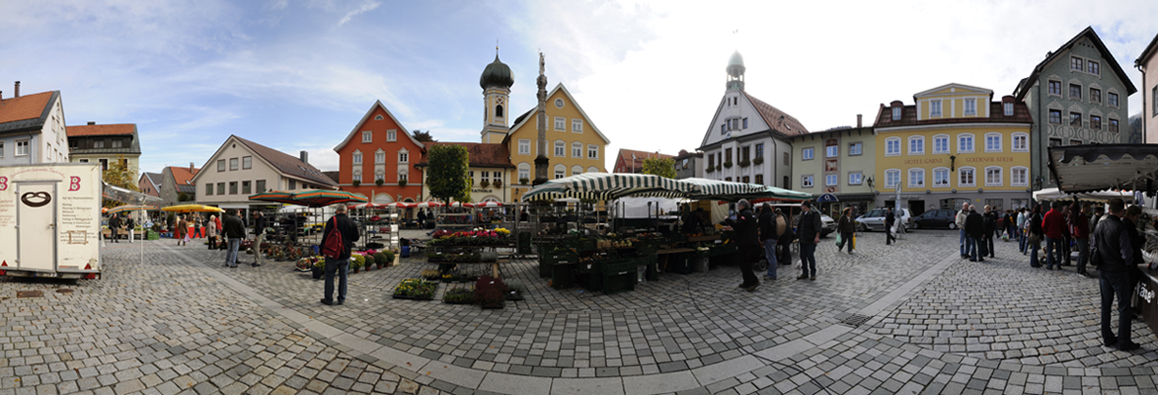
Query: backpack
[(334, 246)]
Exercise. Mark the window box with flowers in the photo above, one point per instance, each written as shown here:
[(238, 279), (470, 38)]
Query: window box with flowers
[(402, 182), (356, 183), (758, 161), (745, 163), (524, 181), (709, 169), (497, 183), (484, 183), (379, 182), (728, 165)]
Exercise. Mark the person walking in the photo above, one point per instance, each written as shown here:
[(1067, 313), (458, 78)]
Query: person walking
[(975, 231), (1022, 217), (1036, 235), (1081, 232), (809, 232), (234, 232), (989, 222), (189, 235), (1116, 252), (768, 238), (961, 215), (114, 227), (180, 231), (747, 233), (890, 221), (131, 226), (259, 225), (846, 227), (786, 236), (1054, 227), (220, 233), (340, 265), (212, 232)]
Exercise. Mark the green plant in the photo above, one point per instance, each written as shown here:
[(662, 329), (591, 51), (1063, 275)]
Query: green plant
[(414, 288), (484, 183), (459, 296), (380, 259), (379, 182), (663, 167), (709, 169), (758, 161), (745, 163), (448, 172), (524, 181), (357, 183), (357, 261), (402, 182), (728, 165), (498, 183), (389, 255)]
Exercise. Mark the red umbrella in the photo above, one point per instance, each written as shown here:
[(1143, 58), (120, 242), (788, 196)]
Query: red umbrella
[(429, 204), (488, 204), (460, 204), (366, 205), (398, 205)]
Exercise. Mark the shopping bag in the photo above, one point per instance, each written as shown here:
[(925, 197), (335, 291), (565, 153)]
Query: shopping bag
[(839, 243)]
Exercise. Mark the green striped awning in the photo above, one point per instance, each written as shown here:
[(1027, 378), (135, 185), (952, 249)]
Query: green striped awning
[(604, 186)]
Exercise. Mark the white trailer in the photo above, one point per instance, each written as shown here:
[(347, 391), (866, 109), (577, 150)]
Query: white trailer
[(50, 220)]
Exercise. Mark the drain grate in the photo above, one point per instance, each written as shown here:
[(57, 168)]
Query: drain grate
[(29, 294), (855, 320)]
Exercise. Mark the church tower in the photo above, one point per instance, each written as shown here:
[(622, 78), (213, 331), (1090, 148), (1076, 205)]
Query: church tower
[(496, 81), (736, 72)]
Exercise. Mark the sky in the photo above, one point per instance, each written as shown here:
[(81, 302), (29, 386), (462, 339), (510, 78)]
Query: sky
[(299, 75)]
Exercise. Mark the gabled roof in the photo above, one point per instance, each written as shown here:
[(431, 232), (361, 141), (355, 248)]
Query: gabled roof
[(777, 120), (909, 116), (1147, 53), (480, 154), (953, 85), (1107, 57), (286, 164), (153, 178), (183, 178), (526, 116), (358, 126), (28, 112)]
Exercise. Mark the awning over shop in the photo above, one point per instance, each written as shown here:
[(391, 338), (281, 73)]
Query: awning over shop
[(1050, 194), (1099, 167), (604, 186), (112, 192)]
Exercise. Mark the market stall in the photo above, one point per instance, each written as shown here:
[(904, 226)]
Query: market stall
[(297, 226), (614, 261)]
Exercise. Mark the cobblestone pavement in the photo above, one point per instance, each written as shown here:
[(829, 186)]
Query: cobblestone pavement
[(907, 318)]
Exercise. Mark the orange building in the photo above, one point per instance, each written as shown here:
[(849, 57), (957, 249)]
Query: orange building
[(378, 159)]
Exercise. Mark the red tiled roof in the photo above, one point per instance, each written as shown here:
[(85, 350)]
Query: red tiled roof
[(480, 154), (23, 108), (182, 175), (996, 115), (625, 156), (288, 164), (777, 120), (100, 130)]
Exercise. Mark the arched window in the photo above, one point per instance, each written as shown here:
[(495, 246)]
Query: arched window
[(499, 111), (592, 169), (993, 176), (560, 171), (576, 170), (892, 146), (966, 177), (524, 172), (916, 178), (892, 177)]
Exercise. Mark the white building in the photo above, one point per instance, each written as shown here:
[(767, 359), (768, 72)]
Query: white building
[(241, 168), (32, 129), (747, 139)]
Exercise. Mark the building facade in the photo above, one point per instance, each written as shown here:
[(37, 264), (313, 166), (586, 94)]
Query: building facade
[(176, 186), (240, 168), (747, 140), (631, 161), (1147, 63), (1077, 95), (953, 145), (378, 159), (93, 143), (150, 184), (32, 129), (689, 165), (841, 162), (490, 169), (574, 144)]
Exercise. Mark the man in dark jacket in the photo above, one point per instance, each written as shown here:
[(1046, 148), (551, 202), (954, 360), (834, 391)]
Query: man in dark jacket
[(1117, 253), (974, 230), (748, 241), (259, 225), (808, 231), (989, 222), (1081, 232), (114, 227), (769, 238), (234, 232), (1054, 226), (341, 264), (846, 227)]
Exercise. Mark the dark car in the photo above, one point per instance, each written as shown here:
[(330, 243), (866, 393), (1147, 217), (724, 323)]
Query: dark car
[(936, 219)]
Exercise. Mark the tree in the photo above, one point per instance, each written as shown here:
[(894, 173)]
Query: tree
[(448, 172), (422, 136), (118, 174), (663, 167)]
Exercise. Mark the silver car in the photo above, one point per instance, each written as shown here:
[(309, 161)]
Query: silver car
[(874, 220)]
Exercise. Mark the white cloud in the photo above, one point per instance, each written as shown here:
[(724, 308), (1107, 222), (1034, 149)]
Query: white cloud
[(367, 6)]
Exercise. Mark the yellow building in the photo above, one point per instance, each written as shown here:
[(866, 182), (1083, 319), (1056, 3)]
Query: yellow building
[(574, 144), (953, 145)]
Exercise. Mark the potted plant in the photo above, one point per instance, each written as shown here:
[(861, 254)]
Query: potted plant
[(402, 182), (459, 296), (356, 183), (498, 183), (379, 182), (430, 274), (758, 161), (417, 289), (728, 165), (524, 181), (484, 183), (357, 262), (318, 268), (380, 259), (745, 163), (709, 169), (490, 292)]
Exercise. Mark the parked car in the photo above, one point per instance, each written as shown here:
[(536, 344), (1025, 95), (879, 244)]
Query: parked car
[(936, 219), (874, 220)]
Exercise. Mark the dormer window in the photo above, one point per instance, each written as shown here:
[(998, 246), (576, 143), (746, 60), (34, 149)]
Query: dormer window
[(970, 106), (1008, 109), (896, 113), (935, 108)]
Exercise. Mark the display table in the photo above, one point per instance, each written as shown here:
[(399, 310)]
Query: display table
[(1146, 296)]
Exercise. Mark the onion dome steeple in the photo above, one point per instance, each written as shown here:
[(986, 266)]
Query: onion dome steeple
[(736, 71), (497, 74)]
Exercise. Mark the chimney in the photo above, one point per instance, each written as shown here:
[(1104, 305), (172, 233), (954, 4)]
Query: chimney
[(304, 156), (190, 167), (17, 94), (90, 123), (858, 120)]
